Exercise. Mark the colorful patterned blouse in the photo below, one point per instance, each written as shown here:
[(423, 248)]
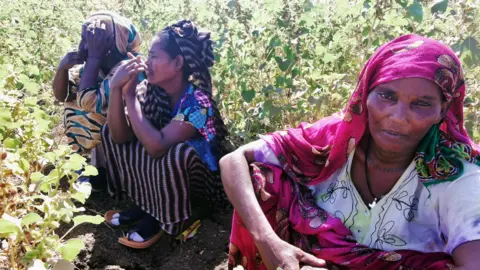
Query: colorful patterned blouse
[(196, 109)]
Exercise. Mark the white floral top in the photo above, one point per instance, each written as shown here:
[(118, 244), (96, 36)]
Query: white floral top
[(434, 219)]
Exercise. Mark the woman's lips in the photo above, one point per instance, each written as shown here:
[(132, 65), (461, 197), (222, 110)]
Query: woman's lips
[(394, 134)]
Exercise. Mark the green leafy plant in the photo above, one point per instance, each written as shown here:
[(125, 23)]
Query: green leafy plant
[(38, 187)]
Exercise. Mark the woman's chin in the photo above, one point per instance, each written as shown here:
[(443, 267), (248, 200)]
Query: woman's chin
[(392, 145), (150, 80)]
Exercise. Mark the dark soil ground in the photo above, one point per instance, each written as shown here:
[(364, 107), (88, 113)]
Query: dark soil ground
[(206, 250)]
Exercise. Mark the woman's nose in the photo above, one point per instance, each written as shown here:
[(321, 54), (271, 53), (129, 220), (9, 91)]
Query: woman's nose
[(399, 113)]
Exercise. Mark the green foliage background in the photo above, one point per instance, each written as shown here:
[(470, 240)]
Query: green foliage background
[(278, 62)]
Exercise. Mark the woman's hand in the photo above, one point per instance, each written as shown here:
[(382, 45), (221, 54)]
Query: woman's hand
[(277, 253), (98, 40), (69, 60), (126, 75)]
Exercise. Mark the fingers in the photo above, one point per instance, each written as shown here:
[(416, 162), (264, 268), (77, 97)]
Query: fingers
[(310, 259), (96, 28), (130, 55), (308, 267), (133, 73)]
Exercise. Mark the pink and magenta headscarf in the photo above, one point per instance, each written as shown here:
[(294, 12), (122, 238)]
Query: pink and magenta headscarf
[(313, 152)]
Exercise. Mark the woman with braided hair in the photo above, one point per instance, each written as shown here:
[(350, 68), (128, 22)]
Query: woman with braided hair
[(162, 149)]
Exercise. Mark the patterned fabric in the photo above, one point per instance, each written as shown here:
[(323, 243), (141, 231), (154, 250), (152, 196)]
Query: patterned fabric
[(83, 125), (168, 187), (196, 109), (291, 210), (197, 49), (323, 147), (85, 116), (441, 224)]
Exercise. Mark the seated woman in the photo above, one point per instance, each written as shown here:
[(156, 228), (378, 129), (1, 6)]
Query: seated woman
[(392, 182), (163, 151), (82, 79)]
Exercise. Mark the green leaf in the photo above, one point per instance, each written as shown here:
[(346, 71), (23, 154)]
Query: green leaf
[(267, 105), (50, 156), (296, 72), (283, 64), (23, 78), (79, 196), (275, 42), (90, 171), (402, 3), (440, 6), (30, 101), (54, 175), (5, 116), (83, 191), (8, 227), (415, 11), (31, 87), (320, 50), (275, 111), (31, 218), (87, 219), (37, 177), (248, 95), (329, 58), (11, 143), (30, 255), (71, 248), (24, 165), (4, 72), (75, 162), (33, 70)]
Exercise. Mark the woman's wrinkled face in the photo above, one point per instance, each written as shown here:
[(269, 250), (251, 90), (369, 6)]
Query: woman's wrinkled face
[(402, 111), (161, 67)]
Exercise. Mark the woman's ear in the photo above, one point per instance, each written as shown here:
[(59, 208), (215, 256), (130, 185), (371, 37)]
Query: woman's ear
[(179, 63)]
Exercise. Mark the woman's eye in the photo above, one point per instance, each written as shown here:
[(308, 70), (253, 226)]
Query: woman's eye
[(422, 104), (386, 96)]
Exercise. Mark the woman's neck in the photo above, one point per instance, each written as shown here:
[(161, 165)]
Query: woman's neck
[(175, 89), (388, 159)]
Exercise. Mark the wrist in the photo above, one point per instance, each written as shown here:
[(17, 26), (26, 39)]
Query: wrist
[(264, 236), (129, 96)]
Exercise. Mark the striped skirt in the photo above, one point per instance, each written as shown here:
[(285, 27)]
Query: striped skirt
[(164, 187)]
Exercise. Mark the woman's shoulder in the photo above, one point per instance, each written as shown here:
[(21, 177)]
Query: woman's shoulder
[(471, 174), (201, 97), (468, 184)]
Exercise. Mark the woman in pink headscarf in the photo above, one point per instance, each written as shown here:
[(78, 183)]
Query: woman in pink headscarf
[(391, 182)]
